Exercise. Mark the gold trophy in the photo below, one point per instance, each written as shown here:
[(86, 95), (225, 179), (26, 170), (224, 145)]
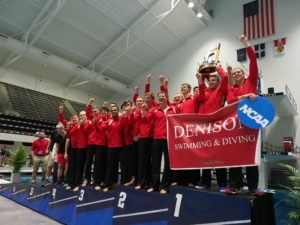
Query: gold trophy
[(209, 65)]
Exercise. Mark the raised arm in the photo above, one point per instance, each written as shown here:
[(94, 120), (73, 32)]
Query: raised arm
[(136, 93), (253, 68), (61, 117), (200, 97), (88, 108), (148, 81)]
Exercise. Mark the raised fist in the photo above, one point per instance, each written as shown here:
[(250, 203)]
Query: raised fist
[(161, 78), (148, 78), (166, 82), (137, 88), (61, 108)]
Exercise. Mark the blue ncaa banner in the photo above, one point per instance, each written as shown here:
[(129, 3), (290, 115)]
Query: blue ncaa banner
[(256, 114)]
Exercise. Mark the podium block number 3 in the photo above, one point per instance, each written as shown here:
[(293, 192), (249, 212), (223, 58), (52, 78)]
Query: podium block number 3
[(81, 195), (122, 198), (177, 205)]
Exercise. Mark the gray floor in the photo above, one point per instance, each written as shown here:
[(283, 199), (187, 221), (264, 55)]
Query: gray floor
[(12, 213)]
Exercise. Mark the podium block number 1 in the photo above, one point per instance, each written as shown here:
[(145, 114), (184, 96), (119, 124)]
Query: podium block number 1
[(177, 205)]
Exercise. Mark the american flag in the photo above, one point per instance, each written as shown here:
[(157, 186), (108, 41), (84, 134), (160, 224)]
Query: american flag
[(259, 19)]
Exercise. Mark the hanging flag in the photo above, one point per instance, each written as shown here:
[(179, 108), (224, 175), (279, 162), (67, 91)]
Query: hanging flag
[(260, 50), (279, 45), (241, 54), (259, 19)]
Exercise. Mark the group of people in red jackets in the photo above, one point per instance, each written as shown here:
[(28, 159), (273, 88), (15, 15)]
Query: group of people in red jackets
[(134, 138)]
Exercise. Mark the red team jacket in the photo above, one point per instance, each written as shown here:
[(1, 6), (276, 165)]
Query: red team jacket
[(213, 99), (250, 84), (39, 147)]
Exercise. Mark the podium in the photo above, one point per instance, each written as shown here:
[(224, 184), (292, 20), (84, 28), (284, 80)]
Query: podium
[(129, 206)]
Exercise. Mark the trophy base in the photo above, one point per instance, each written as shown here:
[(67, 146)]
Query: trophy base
[(207, 69)]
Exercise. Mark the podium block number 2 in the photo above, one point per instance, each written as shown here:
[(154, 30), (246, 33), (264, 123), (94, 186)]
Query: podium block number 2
[(122, 198), (177, 205)]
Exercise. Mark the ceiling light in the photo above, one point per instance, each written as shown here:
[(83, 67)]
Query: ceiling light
[(199, 14), (191, 4)]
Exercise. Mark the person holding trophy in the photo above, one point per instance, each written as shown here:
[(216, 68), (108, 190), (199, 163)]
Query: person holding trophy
[(211, 98)]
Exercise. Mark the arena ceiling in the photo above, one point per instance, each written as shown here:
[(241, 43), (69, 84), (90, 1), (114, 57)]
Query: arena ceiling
[(114, 41)]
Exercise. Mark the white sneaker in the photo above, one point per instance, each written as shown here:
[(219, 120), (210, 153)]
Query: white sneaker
[(150, 190), (76, 189), (85, 183), (163, 192), (138, 187), (97, 188)]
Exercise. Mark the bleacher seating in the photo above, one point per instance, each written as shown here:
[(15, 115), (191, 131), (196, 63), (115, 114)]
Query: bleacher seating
[(32, 110), (24, 126), (78, 106), (33, 104)]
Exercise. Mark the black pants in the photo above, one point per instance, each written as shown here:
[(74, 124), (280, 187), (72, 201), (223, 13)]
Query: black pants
[(236, 177), (100, 165), (125, 164), (72, 166), (90, 153), (160, 146), (185, 177), (133, 159), (80, 163), (144, 162), (113, 159), (221, 177)]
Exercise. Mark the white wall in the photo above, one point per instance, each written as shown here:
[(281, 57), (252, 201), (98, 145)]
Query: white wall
[(32, 82), (181, 65)]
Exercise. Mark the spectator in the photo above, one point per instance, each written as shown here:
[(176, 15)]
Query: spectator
[(40, 156)]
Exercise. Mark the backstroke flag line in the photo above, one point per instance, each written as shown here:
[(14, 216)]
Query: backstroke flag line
[(213, 140)]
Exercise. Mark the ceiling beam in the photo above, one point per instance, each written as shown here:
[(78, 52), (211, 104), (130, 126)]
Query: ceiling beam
[(60, 4), (163, 23), (161, 18), (85, 57), (112, 44), (30, 28), (117, 20)]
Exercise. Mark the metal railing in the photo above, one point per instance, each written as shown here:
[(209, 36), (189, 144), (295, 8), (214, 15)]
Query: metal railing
[(291, 97)]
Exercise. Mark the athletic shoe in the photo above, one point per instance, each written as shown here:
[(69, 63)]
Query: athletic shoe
[(222, 188), (85, 183), (190, 185), (201, 186), (256, 192), (163, 192), (138, 187), (68, 187), (76, 188), (174, 184), (232, 191), (97, 188), (150, 190), (106, 189)]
